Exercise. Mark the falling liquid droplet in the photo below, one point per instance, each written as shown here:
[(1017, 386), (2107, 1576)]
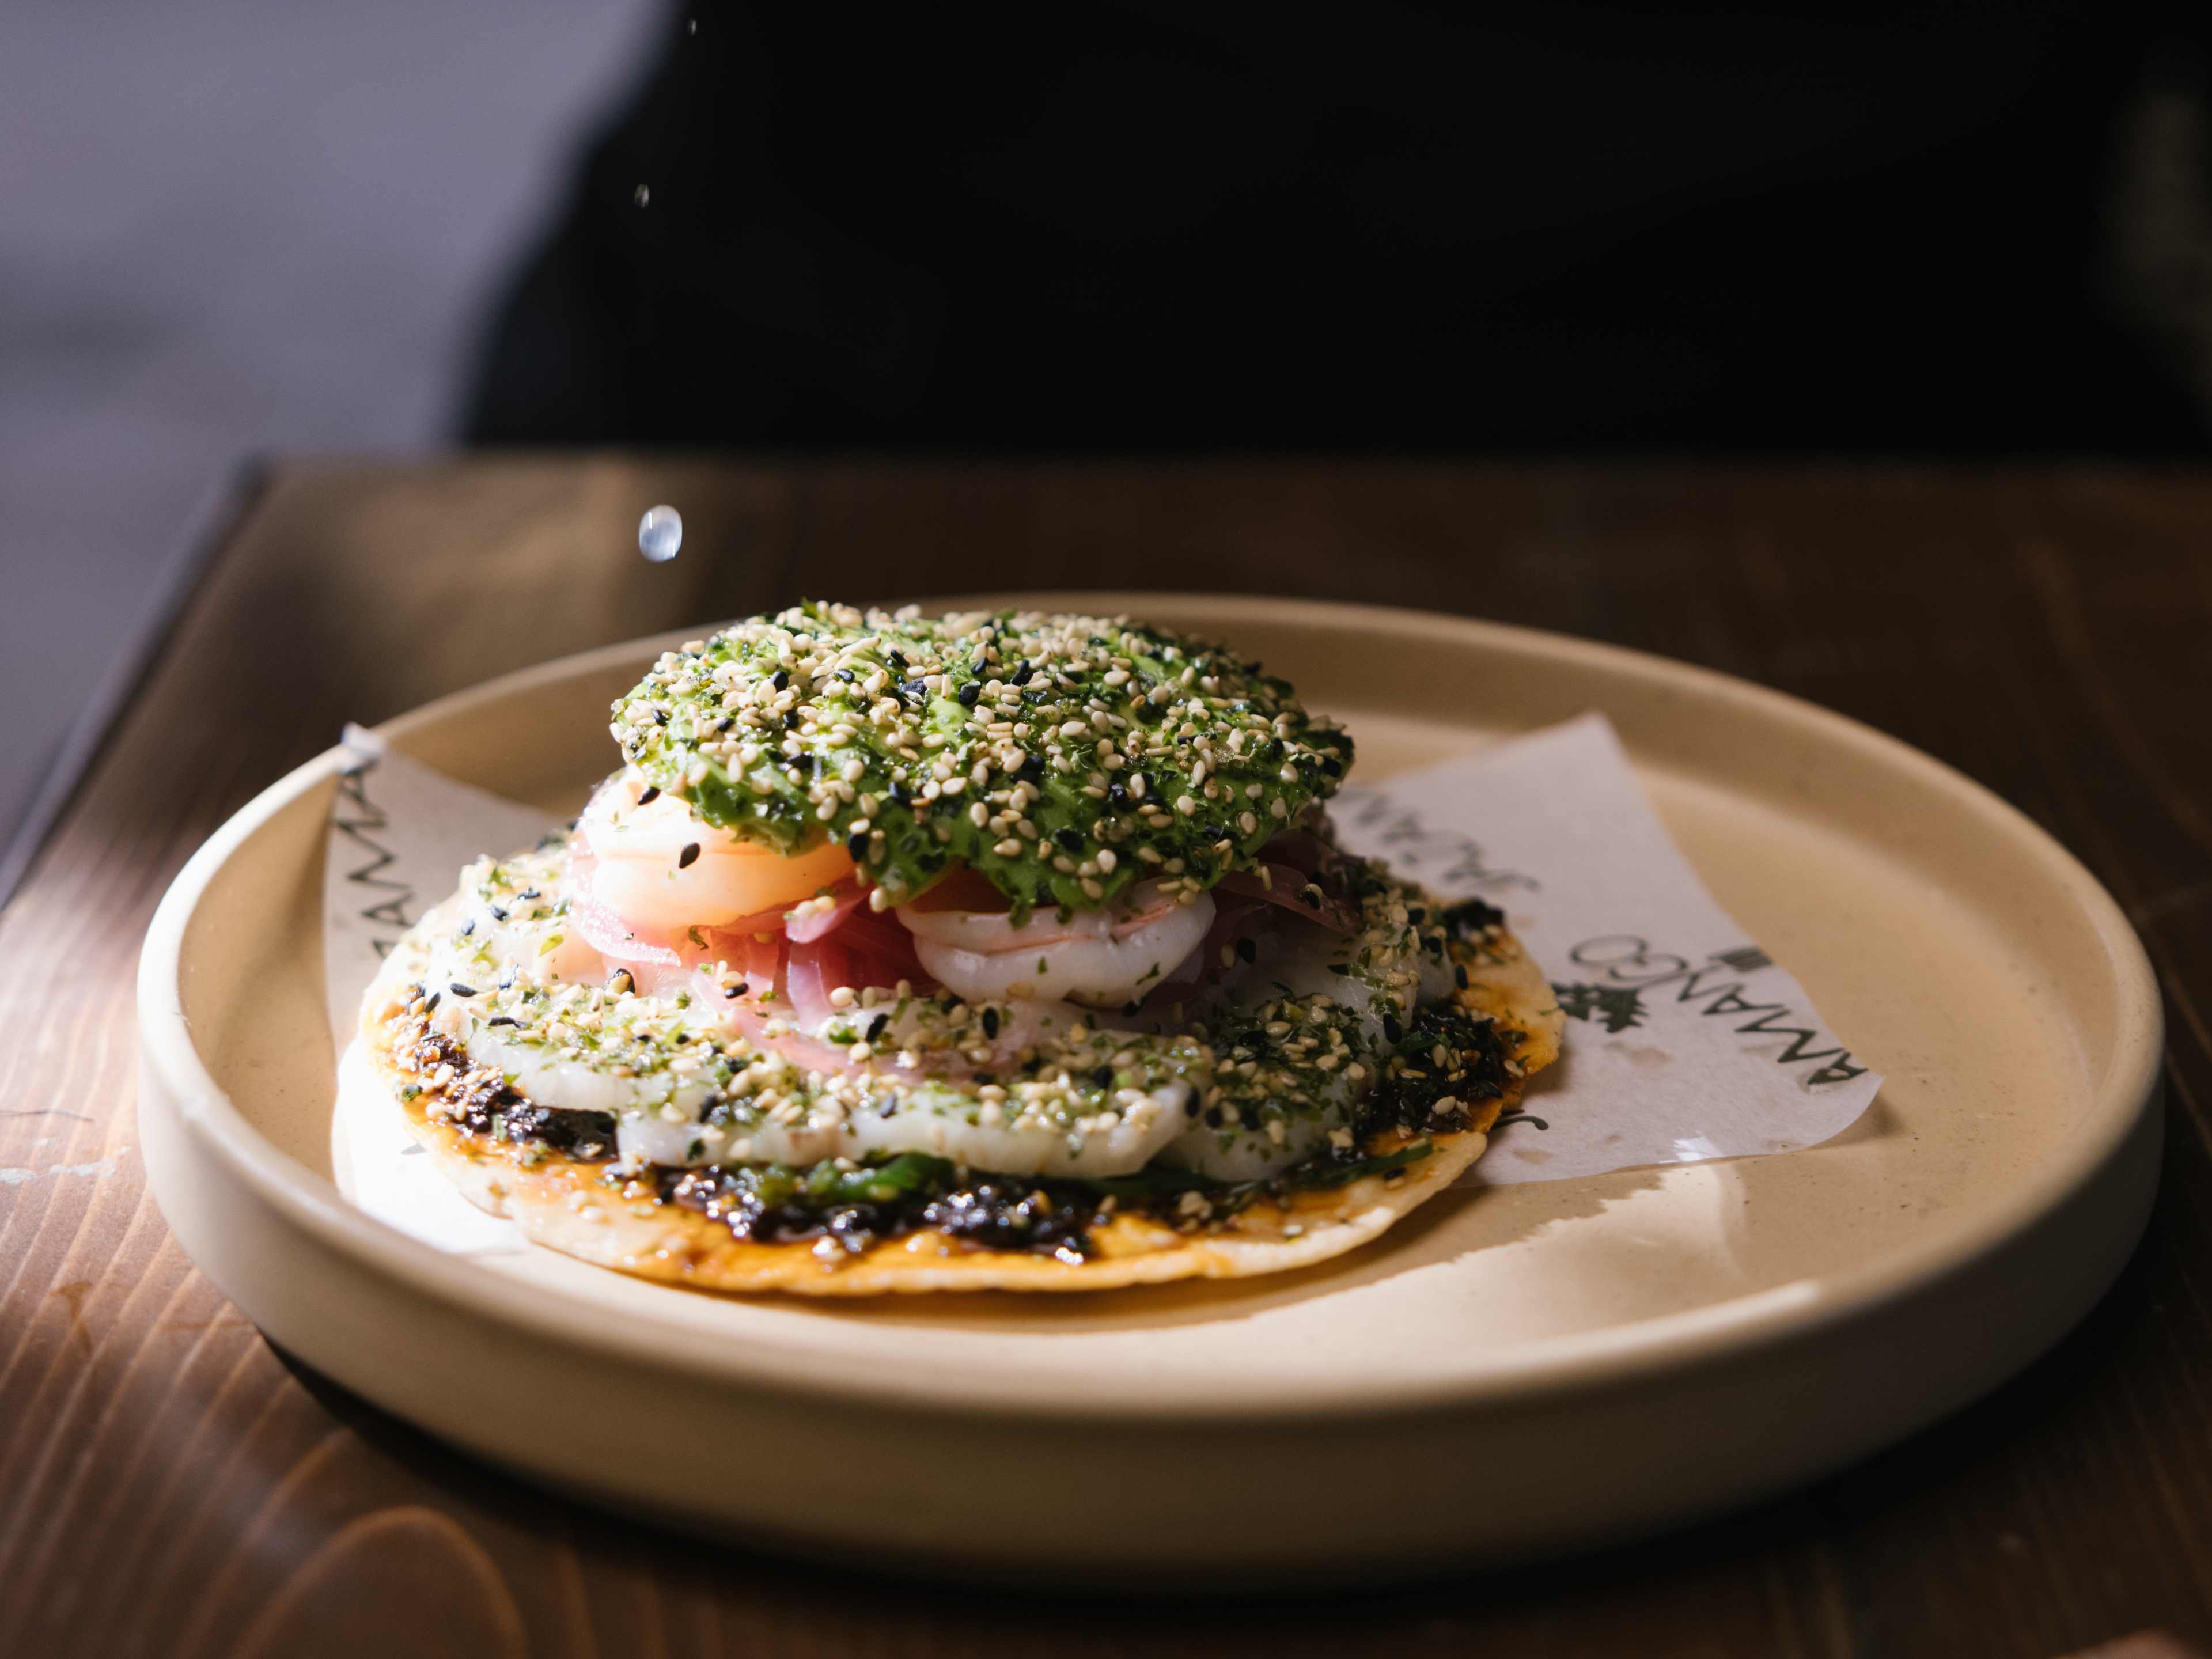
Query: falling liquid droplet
[(659, 533), (644, 194), (692, 27)]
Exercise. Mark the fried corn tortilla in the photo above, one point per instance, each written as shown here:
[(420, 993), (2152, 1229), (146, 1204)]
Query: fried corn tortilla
[(584, 1209)]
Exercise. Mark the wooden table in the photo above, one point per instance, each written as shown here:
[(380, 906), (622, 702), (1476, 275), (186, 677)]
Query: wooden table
[(170, 1484)]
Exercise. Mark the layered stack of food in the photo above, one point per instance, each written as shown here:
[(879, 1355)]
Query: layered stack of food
[(999, 949)]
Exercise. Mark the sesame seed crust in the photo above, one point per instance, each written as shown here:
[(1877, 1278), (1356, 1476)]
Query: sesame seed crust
[(1064, 758)]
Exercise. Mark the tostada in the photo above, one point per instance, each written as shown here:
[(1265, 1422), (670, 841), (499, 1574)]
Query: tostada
[(1001, 950)]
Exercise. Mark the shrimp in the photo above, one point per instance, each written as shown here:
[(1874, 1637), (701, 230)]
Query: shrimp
[(657, 867), (1101, 957)]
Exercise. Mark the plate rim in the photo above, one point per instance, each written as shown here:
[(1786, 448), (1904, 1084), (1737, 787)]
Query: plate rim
[(1627, 1353)]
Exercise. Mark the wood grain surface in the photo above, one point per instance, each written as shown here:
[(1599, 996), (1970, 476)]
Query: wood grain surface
[(169, 1485)]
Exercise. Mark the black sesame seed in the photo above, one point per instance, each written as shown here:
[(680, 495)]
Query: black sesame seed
[(1069, 838), (688, 856), (1116, 795), (857, 848), (1247, 950), (876, 1026), (651, 795), (844, 674), (1333, 766), (530, 893), (1032, 769), (1459, 975), (780, 680), (990, 1022), (503, 1020), (969, 692), (896, 659), (901, 794), (734, 992), (912, 689), (726, 722), (1190, 1107), (1022, 674), (1214, 1117), (1472, 917), (497, 915), (1103, 1077), (468, 926), (1391, 1029), (430, 1003), (461, 990)]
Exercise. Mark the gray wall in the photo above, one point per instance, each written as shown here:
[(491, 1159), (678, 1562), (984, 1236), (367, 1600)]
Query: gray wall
[(238, 225)]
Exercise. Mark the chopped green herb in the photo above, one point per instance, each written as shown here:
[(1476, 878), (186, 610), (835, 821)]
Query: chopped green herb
[(1343, 1175), (1065, 757)]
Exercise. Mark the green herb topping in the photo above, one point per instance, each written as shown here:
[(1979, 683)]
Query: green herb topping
[(1064, 758)]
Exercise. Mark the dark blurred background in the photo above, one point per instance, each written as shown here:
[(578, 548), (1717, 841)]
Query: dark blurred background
[(1157, 226), (228, 225)]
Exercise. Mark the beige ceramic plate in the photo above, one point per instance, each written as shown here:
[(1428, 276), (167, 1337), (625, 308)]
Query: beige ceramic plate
[(1509, 1372)]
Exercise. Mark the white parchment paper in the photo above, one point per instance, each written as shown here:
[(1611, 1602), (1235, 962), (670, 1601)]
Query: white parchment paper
[(399, 835), (1685, 1041)]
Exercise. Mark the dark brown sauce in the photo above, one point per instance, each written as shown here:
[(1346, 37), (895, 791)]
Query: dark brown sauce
[(499, 1111), (1053, 1218)]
